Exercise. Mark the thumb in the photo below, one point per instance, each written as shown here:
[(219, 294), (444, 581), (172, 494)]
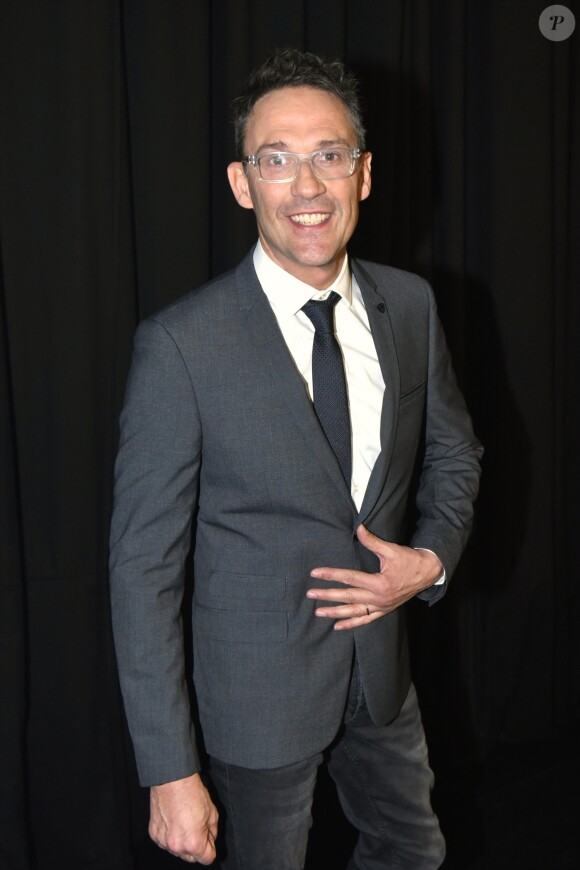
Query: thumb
[(383, 550), (369, 540)]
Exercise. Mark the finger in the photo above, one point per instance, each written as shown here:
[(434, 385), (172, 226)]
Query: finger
[(185, 856), (344, 611), (357, 621), (367, 594), (346, 576), (340, 596), (208, 854)]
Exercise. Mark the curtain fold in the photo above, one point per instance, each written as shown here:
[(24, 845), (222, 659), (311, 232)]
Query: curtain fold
[(69, 301), (13, 635)]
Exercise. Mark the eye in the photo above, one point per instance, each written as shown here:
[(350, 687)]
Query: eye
[(277, 160), (336, 157)]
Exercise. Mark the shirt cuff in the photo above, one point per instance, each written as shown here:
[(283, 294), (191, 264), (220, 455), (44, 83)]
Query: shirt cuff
[(443, 576)]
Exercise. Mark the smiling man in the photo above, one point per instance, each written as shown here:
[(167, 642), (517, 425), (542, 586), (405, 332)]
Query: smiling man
[(304, 223), (281, 412)]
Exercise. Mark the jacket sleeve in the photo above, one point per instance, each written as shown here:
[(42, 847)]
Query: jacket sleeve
[(449, 479), (156, 482)]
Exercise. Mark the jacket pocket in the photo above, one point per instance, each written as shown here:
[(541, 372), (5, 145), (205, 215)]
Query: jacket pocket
[(227, 590), (230, 626)]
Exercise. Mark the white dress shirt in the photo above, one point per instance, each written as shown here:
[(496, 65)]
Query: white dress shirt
[(364, 379)]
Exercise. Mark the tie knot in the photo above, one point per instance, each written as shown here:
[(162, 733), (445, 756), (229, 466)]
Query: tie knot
[(322, 313)]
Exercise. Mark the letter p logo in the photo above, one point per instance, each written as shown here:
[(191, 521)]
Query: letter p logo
[(557, 23)]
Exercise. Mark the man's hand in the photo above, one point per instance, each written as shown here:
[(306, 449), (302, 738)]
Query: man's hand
[(184, 820), (403, 572)]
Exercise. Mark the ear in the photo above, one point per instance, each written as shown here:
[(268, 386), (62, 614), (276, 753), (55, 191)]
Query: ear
[(365, 176), (239, 184)]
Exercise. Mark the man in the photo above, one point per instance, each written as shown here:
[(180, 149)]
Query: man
[(294, 457)]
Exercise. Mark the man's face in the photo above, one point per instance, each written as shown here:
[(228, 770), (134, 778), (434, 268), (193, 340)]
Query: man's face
[(302, 120)]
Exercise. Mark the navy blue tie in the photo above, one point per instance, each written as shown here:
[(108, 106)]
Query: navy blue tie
[(330, 396)]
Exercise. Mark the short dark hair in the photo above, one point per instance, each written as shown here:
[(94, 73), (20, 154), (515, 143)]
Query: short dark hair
[(291, 68)]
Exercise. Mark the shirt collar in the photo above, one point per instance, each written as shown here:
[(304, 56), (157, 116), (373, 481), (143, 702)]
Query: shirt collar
[(287, 294)]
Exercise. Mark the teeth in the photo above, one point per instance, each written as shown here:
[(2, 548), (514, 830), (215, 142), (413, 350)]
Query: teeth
[(309, 220)]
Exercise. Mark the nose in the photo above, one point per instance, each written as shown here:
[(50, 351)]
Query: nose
[(306, 184)]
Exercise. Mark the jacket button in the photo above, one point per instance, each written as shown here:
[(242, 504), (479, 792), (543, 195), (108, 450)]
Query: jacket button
[(381, 307)]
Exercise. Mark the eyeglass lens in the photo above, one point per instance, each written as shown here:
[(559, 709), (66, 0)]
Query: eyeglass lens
[(280, 165)]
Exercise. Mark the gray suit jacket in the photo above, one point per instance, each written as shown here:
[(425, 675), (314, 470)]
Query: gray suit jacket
[(218, 427)]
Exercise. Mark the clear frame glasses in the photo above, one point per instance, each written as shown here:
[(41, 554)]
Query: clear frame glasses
[(278, 167)]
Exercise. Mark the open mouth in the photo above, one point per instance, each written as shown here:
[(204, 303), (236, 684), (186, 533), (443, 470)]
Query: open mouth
[(309, 220)]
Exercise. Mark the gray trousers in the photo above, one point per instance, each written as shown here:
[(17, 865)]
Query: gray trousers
[(383, 780)]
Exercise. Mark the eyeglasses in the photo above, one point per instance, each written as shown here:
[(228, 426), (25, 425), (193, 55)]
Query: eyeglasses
[(276, 167)]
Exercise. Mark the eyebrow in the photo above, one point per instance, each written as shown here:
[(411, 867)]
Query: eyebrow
[(282, 146)]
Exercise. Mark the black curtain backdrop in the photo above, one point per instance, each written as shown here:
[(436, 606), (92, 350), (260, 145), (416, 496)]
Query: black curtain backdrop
[(114, 140)]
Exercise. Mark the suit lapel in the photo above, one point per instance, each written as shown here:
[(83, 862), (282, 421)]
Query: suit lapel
[(288, 388), (382, 331)]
